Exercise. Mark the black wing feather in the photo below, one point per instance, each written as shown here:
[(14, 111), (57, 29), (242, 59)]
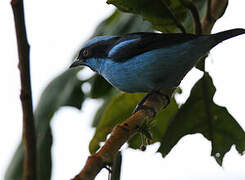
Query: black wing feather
[(146, 42)]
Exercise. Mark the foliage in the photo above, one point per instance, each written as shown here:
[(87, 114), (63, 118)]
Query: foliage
[(212, 121), (199, 114), (161, 12)]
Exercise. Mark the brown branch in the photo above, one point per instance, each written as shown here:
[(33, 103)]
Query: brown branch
[(122, 132), (29, 136)]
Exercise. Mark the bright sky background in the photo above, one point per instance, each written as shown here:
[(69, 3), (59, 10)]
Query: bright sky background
[(55, 30)]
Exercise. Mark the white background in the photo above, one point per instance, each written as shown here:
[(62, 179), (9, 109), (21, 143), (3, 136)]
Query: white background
[(55, 30)]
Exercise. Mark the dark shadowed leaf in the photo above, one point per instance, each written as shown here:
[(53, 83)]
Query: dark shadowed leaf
[(65, 90), (201, 115), (99, 87), (160, 12)]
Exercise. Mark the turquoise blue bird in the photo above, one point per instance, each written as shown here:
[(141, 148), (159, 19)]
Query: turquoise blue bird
[(148, 62)]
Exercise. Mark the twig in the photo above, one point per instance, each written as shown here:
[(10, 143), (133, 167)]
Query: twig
[(29, 136), (189, 5), (120, 134)]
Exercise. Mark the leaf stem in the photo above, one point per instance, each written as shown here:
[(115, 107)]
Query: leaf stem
[(29, 136), (189, 5)]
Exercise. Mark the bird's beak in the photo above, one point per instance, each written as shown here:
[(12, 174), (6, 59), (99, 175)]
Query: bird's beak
[(77, 62)]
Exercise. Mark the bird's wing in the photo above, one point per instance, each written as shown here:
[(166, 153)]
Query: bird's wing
[(131, 45)]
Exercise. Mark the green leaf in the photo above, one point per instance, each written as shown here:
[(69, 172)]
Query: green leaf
[(201, 115), (160, 12), (102, 108), (65, 90), (118, 110)]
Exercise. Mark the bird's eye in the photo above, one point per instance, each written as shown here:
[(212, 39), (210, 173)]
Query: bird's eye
[(85, 53)]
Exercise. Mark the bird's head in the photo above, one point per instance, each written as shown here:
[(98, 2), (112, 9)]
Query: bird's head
[(93, 53)]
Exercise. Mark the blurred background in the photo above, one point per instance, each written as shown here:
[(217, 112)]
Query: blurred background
[(56, 30)]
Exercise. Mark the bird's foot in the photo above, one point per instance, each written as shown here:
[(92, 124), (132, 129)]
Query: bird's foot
[(141, 105), (163, 95)]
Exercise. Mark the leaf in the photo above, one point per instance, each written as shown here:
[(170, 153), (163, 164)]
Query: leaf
[(121, 23), (201, 115), (65, 90), (119, 109), (99, 87), (102, 108), (160, 12)]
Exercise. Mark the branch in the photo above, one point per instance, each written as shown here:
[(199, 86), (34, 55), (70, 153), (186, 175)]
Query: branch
[(29, 136), (122, 132)]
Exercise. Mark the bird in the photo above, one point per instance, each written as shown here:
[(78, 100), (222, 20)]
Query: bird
[(148, 61)]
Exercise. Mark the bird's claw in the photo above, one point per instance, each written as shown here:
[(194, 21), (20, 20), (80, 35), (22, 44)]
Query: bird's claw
[(141, 106)]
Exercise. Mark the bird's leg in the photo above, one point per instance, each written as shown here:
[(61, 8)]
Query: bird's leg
[(141, 105), (163, 95), (143, 130)]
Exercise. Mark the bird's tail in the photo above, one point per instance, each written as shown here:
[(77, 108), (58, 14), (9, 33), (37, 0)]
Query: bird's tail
[(221, 36)]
